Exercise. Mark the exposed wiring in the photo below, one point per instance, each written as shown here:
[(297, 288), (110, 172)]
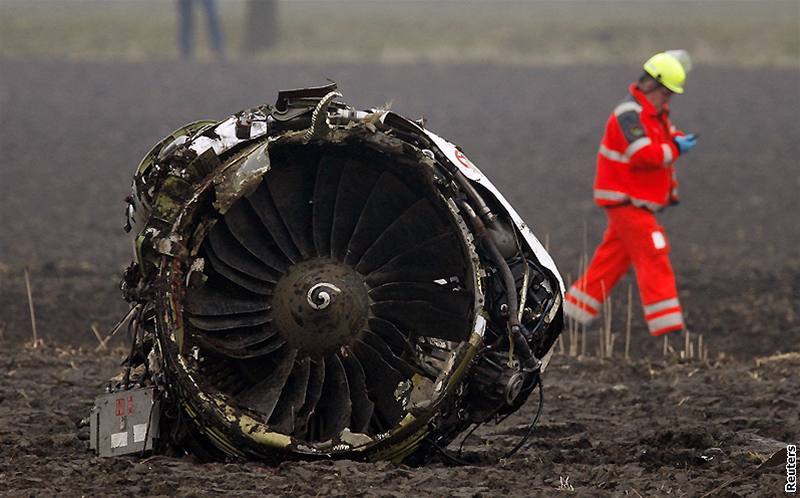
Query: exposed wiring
[(523, 292), (132, 330), (446, 454), (122, 321), (320, 116), (464, 440), (455, 459), (516, 338), (532, 425)]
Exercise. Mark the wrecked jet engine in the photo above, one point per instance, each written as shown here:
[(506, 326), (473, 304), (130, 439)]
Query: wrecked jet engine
[(311, 280)]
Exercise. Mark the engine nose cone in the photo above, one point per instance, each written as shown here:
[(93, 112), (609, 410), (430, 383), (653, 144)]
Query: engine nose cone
[(320, 305)]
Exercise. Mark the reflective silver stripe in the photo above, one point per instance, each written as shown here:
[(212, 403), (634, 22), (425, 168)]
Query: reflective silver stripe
[(627, 106), (649, 309), (613, 195), (636, 146), (584, 297), (652, 206), (662, 322), (667, 154), (610, 195), (632, 149), (611, 154), (579, 315)]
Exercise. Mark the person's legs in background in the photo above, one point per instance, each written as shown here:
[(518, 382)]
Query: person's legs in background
[(646, 242), (214, 26), (610, 262), (185, 27)]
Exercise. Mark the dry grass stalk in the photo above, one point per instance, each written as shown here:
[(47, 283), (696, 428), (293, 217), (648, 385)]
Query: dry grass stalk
[(608, 337), (571, 333), (567, 324), (694, 348), (702, 349), (604, 308), (628, 323), (572, 330), (583, 340), (583, 265), (687, 343), (35, 343), (606, 349), (573, 339), (102, 341), (609, 334), (601, 351), (700, 346), (762, 360)]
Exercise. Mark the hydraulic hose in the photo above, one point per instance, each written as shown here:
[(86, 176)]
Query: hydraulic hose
[(519, 341)]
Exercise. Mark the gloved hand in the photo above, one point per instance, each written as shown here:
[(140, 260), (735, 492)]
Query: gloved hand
[(685, 143)]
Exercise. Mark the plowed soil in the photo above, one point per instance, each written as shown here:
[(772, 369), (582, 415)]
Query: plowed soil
[(72, 133)]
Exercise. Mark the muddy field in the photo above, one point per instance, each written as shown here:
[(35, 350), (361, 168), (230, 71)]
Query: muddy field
[(73, 132)]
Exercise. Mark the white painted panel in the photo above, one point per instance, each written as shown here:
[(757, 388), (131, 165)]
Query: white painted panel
[(119, 440), (139, 432)]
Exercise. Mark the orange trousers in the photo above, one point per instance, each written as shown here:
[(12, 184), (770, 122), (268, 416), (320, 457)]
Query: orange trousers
[(633, 237)]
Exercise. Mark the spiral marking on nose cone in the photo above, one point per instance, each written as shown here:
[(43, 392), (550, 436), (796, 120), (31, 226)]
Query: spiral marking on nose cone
[(319, 305), (321, 292)]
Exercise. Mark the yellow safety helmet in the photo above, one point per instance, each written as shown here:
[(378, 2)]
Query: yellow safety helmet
[(669, 68)]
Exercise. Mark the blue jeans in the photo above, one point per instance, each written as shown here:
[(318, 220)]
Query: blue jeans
[(186, 25)]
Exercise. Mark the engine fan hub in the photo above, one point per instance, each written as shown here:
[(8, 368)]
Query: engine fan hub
[(320, 305)]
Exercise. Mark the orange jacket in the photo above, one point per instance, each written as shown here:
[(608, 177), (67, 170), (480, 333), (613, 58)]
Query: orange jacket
[(636, 156)]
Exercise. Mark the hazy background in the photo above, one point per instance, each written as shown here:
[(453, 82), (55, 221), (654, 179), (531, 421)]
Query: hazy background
[(88, 86), (730, 32)]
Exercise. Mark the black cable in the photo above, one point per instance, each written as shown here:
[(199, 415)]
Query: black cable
[(132, 332), (521, 346), (531, 426), (458, 461), (464, 440), (446, 454), (134, 328)]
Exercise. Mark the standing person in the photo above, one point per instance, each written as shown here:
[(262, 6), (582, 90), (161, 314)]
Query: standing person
[(636, 178), (186, 26)]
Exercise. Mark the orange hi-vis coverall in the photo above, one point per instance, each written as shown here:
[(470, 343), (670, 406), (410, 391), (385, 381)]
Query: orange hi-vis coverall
[(635, 177)]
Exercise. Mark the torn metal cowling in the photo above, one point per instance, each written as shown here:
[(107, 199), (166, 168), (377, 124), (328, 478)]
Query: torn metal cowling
[(317, 281)]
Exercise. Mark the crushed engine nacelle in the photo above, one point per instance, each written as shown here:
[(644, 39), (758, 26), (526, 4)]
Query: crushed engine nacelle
[(316, 281)]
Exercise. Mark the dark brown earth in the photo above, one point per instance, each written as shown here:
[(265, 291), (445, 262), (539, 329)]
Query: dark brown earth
[(71, 134)]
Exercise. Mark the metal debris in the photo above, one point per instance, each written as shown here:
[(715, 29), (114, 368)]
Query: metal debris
[(314, 281)]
